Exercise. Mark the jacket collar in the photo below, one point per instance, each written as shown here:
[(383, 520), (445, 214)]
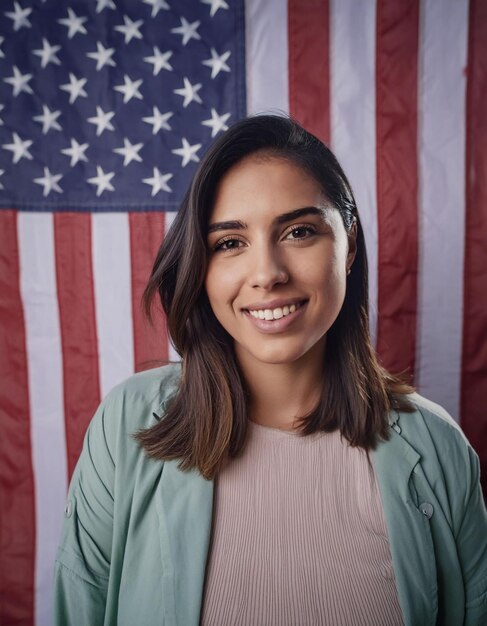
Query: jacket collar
[(398, 470)]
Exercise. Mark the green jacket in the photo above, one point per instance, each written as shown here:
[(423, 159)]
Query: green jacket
[(136, 532)]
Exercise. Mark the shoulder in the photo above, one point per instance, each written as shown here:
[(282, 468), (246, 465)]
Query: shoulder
[(446, 454), (131, 405)]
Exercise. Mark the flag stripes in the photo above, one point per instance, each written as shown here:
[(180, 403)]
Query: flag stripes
[(474, 358)]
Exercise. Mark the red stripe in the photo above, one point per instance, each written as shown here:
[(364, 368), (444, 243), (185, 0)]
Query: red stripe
[(150, 343), (397, 181), (74, 274), (309, 65), (474, 357), (17, 489)]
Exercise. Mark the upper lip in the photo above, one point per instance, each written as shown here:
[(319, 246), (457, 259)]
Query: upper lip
[(273, 304)]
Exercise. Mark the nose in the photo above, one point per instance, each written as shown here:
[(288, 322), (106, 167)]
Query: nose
[(267, 267)]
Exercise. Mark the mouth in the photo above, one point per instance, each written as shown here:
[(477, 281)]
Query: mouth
[(276, 312), (277, 316)]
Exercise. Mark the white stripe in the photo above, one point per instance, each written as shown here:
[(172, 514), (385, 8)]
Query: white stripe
[(113, 297), (173, 355), (352, 107), (44, 354), (266, 51), (443, 52)]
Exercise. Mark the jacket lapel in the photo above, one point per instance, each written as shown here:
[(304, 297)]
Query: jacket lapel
[(396, 463), (184, 503)]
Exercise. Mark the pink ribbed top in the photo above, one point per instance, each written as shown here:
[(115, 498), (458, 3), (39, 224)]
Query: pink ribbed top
[(299, 537)]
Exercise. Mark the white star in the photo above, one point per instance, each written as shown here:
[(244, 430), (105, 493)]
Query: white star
[(187, 30), (104, 4), (158, 181), (102, 120), (2, 54), (2, 172), (130, 89), (189, 92), (49, 182), (103, 56), (131, 29), (19, 82), (217, 63), (158, 120), (48, 53), (19, 16), (130, 151), (217, 122), (48, 119), (76, 152), (75, 88), (188, 152), (102, 181), (215, 5), (157, 5), (74, 24), (2, 106), (160, 60), (19, 148)]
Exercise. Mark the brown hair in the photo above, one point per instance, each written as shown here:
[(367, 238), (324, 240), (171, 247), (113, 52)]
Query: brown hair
[(206, 419)]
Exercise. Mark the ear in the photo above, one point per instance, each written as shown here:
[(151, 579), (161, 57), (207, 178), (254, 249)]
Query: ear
[(352, 245)]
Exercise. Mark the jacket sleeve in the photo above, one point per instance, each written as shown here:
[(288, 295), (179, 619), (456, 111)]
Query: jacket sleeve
[(472, 549), (83, 560)]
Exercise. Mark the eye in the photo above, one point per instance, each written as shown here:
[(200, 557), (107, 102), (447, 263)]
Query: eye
[(300, 232), (227, 244)]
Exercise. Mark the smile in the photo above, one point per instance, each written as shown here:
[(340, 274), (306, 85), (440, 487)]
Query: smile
[(274, 314)]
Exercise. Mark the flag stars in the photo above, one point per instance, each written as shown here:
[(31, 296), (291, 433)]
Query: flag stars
[(2, 54), (102, 181), (187, 152), (158, 120), (19, 148), (215, 5), (189, 92), (19, 16), (76, 151), (187, 31), (130, 29), (2, 172), (50, 182), (74, 24), (102, 56), (2, 106), (158, 181), (102, 120), (217, 62), (48, 119), (157, 5), (130, 152), (47, 53), (75, 88), (130, 89), (104, 4), (217, 122), (19, 82), (160, 60)]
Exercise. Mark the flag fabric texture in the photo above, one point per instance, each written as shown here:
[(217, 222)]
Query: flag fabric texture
[(106, 107)]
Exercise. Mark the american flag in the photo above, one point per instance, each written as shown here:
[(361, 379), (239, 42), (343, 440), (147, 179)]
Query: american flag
[(106, 107)]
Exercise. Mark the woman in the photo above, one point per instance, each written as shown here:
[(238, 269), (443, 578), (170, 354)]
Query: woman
[(280, 475)]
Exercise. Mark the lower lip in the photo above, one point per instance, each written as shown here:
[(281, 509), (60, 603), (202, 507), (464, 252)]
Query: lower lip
[(276, 326)]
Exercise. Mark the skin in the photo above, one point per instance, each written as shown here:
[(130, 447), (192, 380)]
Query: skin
[(265, 257)]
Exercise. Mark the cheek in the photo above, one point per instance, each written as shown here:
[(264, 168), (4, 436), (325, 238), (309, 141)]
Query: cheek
[(220, 285)]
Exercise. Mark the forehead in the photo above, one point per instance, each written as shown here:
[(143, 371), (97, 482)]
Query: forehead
[(265, 184)]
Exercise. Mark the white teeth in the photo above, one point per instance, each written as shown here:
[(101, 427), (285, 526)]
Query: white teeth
[(273, 314)]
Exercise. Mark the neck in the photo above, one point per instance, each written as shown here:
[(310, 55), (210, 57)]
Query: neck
[(282, 392)]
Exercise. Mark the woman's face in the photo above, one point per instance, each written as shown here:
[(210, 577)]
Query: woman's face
[(279, 254)]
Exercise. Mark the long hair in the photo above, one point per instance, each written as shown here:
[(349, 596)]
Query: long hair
[(206, 420)]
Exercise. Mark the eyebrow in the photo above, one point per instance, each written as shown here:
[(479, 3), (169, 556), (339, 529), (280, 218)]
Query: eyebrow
[(280, 219)]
